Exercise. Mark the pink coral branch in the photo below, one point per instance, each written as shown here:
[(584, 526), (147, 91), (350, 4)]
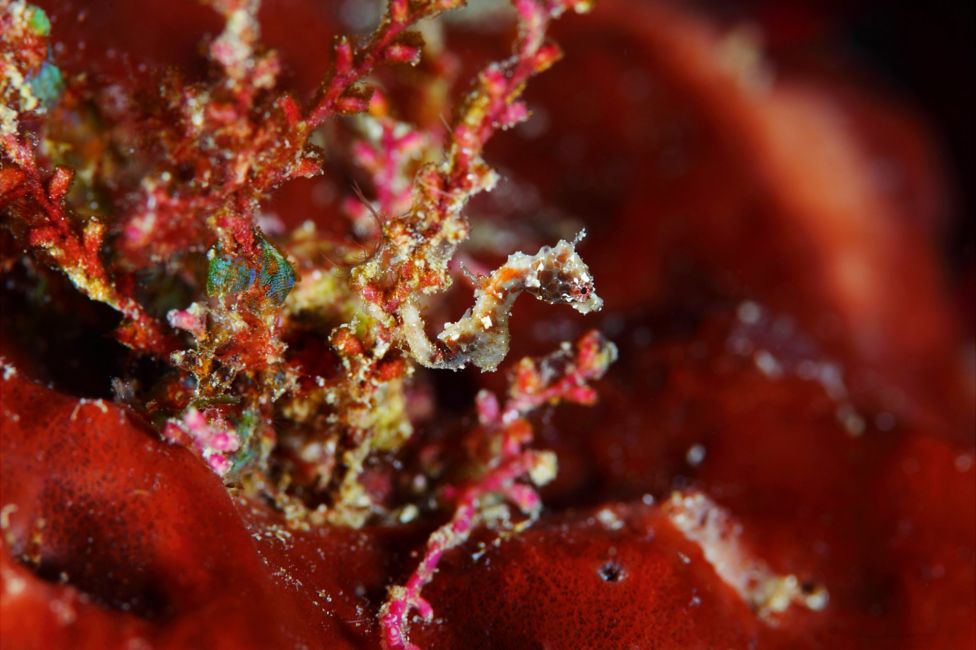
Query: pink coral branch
[(562, 376), (351, 67), (467, 515), (493, 104), (386, 153), (532, 388)]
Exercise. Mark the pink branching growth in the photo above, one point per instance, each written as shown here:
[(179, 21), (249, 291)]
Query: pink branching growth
[(208, 434), (422, 228), (392, 42), (564, 376), (387, 150), (225, 145), (241, 141), (559, 377)]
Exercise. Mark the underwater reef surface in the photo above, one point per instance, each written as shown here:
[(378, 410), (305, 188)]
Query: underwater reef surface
[(776, 449)]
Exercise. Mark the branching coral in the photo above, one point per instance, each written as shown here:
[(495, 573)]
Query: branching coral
[(413, 260), (506, 433), (220, 147)]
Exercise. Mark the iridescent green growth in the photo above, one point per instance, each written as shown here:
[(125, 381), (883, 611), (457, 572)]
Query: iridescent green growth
[(249, 449), (47, 85), (276, 274), (228, 275), (37, 21)]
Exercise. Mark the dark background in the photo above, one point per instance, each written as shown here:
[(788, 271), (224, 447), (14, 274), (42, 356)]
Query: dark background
[(923, 54)]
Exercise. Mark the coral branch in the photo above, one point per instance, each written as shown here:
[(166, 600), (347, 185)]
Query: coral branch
[(562, 376), (391, 43), (36, 206), (77, 255), (387, 150)]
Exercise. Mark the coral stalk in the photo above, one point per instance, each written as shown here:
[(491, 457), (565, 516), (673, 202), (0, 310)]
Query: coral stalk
[(561, 377)]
